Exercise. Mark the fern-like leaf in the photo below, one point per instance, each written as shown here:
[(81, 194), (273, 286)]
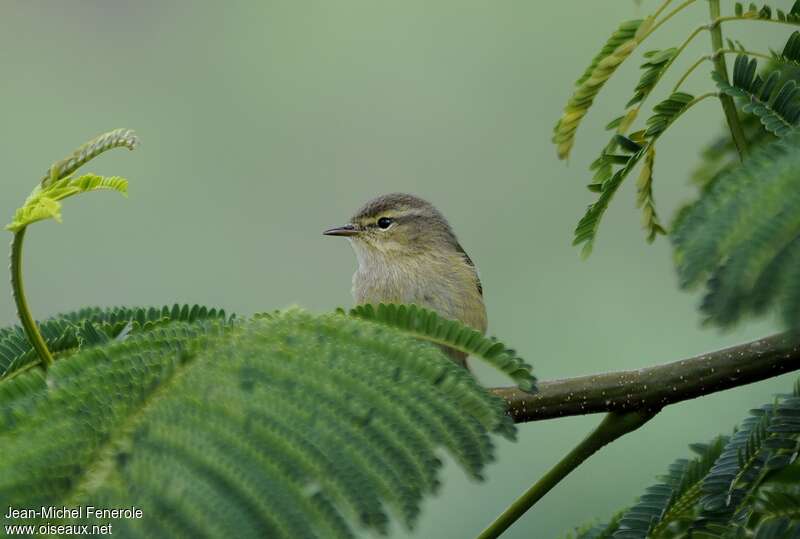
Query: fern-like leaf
[(721, 154), (43, 203), (742, 235), (640, 143), (586, 230), (118, 138), (65, 333), (766, 442), (428, 325), (289, 425), (657, 62), (603, 530), (778, 528), (644, 200), (673, 499), (767, 12), (618, 47), (745, 486), (780, 503), (778, 108), (791, 51)]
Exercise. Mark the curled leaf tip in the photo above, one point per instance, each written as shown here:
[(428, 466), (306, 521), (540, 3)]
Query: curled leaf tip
[(118, 138)]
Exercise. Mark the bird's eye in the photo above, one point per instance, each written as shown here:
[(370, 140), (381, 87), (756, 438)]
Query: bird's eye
[(384, 223)]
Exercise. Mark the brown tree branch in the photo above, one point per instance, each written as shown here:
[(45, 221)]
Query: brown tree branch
[(652, 388)]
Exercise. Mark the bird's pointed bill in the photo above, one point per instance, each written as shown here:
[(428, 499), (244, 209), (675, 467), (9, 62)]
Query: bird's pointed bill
[(346, 230)]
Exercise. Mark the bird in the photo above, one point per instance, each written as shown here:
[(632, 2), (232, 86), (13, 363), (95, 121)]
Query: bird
[(407, 253)]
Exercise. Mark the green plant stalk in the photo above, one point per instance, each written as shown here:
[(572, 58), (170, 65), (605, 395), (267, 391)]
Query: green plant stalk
[(720, 67), (667, 17), (613, 426), (23, 311), (702, 59)]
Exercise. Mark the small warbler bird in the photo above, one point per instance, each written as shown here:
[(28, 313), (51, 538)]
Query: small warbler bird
[(407, 253)]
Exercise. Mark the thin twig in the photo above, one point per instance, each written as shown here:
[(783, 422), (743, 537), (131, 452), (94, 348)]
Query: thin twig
[(613, 426)]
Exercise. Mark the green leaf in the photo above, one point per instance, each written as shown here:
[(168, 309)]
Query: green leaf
[(666, 113), (672, 499), (777, 107), (657, 62), (586, 231), (618, 47), (118, 138), (791, 50), (603, 530), (63, 333), (624, 33), (43, 203), (606, 181), (741, 486), (766, 12), (290, 425), (428, 325), (645, 201), (743, 237)]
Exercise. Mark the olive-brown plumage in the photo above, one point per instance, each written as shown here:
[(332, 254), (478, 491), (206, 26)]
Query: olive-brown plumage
[(407, 253)]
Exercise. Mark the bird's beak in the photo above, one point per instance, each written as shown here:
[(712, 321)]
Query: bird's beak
[(346, 230)]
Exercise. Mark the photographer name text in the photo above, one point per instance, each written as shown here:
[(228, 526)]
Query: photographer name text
[(88, 511)]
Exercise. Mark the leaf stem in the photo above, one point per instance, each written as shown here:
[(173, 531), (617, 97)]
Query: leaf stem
[(721, 68), (23, 311), (745, 18), (635, 111), (661, 8), (667, 17), (613, 426), (702, 59)]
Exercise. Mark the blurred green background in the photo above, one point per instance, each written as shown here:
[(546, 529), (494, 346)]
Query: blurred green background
[(264, 122)]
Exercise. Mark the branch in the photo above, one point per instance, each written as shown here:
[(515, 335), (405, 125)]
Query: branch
[(652, 388)]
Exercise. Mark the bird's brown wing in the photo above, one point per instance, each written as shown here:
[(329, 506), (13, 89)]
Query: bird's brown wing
[(472, 264), (458, 357)]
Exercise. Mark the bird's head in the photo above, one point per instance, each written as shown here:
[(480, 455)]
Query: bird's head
[(397, 225)]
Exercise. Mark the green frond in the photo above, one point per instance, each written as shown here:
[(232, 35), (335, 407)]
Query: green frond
[(586, 230), (624, 33), (666, 112), (118, 138), (721, 155), (777, 107), (428, 325), (743, 486), (290, 425), (738, 467), (65, 333), (791, 50), (618, 47), (742, 237), (766, 12), (637, 146), (657, 62), (603, 530), (778, 528), (780, 503), (766, 442), (645, 201), (43, 203), (674, 499)]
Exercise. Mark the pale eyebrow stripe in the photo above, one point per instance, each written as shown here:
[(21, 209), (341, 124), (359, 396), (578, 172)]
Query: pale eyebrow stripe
[(406, 213)]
